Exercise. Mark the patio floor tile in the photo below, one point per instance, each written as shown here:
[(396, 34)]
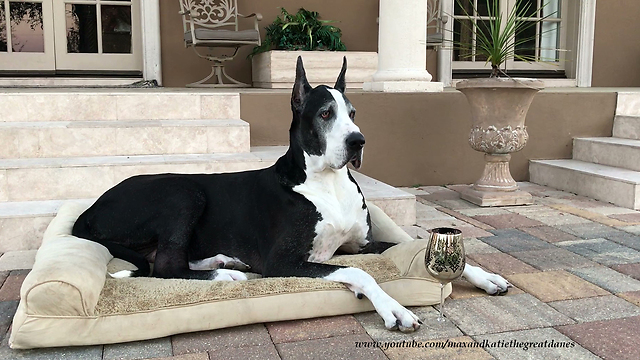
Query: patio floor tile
[(486, 211), (632, 297), (10, 289), (626, 239), (138, 349), (555, 285), (493, 314), (557, 218), (610, 339), (440, 353), (596, 308), (195, 356), (341, 347), (535, 335), (59, 353), (7, 310), (553, 259), (507, 221), (512, 240), (589, 230), (502, 264), (430, 329), (462, 289), (632, 270), (548, 233), (3, 277), (475, 246), (631, 217), (602, 251), (319, 328), (260, 352), (456, 204), (248, 335), (608, 279)]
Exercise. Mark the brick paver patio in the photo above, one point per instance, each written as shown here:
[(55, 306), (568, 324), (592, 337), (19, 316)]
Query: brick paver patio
[(574, 263)]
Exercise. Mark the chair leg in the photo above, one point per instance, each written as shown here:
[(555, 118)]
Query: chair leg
[(217, 70)]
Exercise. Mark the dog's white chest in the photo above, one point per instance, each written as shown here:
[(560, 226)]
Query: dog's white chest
[(344, 221)]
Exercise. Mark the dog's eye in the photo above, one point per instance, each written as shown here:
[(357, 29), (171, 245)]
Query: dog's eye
[(352, 114), (325, 114)]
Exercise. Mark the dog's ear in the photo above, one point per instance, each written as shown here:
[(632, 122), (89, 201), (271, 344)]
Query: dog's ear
[(301, 86), (341, 83)]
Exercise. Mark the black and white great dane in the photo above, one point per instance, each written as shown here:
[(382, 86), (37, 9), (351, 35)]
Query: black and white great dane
[(285, 220)]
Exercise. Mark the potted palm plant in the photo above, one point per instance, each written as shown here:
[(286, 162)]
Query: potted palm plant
[(320, 45), (499, 104)]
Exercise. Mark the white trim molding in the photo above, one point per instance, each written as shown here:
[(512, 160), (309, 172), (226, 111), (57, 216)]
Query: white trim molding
[(586, 36), (151, 55)]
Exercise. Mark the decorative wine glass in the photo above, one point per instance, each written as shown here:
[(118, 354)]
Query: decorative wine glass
[(444, 258)]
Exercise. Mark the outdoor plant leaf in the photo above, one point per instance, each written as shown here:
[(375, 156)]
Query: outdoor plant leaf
[(497, 39), (300, 31)]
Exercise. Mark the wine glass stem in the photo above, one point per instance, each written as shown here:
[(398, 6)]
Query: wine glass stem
[(441, 316)]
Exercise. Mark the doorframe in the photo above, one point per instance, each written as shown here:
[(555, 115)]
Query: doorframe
[(151, 51)]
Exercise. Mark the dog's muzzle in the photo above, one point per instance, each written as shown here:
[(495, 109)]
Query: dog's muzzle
[(355, 143)]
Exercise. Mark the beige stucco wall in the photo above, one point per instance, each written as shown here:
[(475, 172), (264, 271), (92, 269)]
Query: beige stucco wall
[(357, 20), (422, 138), (616, 59)]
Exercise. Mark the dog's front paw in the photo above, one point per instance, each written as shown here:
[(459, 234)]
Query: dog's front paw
[(397, 317), (229, 275), (493, 284)]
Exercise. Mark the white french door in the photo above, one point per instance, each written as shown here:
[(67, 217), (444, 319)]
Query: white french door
[(70, 35), (26, 35)]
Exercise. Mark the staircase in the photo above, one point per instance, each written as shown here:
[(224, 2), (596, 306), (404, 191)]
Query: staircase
[(605, 168), (60, 145)]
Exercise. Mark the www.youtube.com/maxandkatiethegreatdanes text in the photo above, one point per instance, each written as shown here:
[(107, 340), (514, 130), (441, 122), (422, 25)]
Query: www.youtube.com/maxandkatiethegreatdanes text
[(443, 344)]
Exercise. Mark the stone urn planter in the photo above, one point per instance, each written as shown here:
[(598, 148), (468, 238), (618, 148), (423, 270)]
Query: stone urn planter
[(277, 68), (498, 107)]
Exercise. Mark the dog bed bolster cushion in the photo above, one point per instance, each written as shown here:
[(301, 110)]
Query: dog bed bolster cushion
[(68, 298)]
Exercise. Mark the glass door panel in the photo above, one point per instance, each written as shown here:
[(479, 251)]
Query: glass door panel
[(26, 35)]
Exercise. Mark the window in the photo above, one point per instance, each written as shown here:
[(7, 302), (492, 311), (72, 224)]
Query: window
[(547, 38)]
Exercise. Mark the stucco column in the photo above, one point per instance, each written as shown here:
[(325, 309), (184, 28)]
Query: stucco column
[(402, 51)]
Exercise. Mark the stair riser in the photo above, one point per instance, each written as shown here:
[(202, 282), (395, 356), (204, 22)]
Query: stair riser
[(597, 187), (626, 127), (91, 181), (33, 142), (625, 157), (628, 104), (123, 106)]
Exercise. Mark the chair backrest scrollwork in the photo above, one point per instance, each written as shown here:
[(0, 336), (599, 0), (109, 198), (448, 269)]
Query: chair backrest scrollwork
[(209, 13)]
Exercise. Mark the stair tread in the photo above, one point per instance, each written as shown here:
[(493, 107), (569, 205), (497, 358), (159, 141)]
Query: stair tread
[(605, 171), (257, 153), (612, 141), (372, 189), (123, 123)]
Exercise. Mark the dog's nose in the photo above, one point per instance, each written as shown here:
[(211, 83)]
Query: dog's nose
[(355, 141)]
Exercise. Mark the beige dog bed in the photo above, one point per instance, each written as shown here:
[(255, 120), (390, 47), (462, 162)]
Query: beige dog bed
[(68, 298)]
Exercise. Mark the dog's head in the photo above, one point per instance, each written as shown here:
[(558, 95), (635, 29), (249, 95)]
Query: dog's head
[(323, 122)]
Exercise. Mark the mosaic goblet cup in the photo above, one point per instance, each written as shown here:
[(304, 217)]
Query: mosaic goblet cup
[(445, 259)]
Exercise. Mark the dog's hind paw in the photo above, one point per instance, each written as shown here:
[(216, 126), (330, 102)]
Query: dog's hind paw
[(493, 284), (228, 275)]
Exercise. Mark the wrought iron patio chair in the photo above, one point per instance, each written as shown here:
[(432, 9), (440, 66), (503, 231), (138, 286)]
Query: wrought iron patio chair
[(210, 24)]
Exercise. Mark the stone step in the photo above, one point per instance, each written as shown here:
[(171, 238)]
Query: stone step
[(626, 127), (628, 104), (122, 137), (85, 177), (116, 104), (22, 223), (611, 151), (601, 182)]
